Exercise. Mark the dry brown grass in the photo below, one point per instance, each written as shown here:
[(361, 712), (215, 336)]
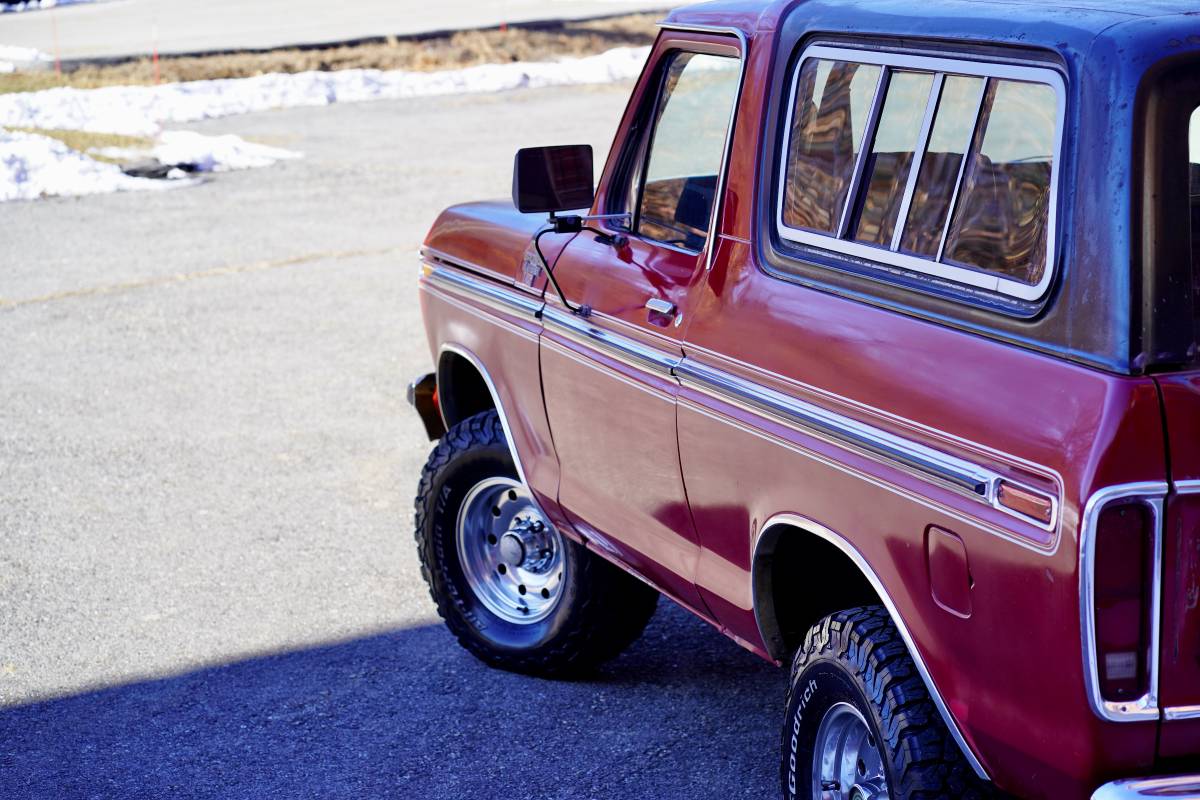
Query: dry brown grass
[(85, 142), (450, 51)]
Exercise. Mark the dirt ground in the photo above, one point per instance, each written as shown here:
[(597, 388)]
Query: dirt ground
[(534, 42)]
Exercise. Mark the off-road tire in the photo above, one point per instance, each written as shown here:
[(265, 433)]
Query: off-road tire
[(601, 611), (858, 656)]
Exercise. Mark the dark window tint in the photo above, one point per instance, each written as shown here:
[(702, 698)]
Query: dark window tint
[(1001, 221), (832, 104), (950, 137), (885, 174), (686, 149)]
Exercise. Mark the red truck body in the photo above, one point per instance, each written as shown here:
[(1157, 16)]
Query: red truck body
[(789, 421)]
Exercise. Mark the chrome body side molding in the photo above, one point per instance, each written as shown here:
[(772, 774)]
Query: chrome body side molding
[(1172, 713), (622, 348), (1145, 708), (842, 544), (446, 275), (972, 480), (968, 478)]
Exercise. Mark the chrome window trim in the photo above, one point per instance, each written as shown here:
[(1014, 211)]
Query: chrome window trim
[(719, 198), (864, 566), (1145, 708), (972, 480), (957, 65)]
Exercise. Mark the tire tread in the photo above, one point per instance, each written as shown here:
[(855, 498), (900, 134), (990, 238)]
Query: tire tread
[(613, 609), (925, 760)]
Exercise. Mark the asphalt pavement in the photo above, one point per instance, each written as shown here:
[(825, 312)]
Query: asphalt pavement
[(127, 28), (207, 574)]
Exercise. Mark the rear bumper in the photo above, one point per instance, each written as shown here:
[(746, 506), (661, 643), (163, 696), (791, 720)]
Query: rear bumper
[(422, 395), (1176, 787)]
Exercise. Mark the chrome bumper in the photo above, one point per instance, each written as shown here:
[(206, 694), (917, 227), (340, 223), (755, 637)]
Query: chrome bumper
[(1176, 787)]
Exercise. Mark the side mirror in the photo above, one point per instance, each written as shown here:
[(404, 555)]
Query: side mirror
[(553, 179)]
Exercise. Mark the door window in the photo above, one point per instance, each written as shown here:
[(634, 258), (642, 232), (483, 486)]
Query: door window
[(687, 147)]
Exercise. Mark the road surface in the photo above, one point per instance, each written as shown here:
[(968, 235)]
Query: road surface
[(208, 578), (127, 28)]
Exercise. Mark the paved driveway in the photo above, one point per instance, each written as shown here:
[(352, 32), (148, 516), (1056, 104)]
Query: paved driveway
[(119, 28), (208, 580)]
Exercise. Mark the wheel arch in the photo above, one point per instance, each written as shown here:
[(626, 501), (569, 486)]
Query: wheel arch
[(783, 544), (466, 388)]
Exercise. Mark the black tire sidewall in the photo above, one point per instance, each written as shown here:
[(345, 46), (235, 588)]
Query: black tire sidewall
[(451, 484), (821, 685)]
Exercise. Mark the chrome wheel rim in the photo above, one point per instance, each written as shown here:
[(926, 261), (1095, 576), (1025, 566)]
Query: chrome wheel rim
[(846, 760), (511, 555)]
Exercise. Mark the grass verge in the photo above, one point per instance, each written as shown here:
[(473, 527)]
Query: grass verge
[(422, 53)]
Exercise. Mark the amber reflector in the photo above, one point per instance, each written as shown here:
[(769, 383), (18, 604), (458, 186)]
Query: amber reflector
[(1034, 505)]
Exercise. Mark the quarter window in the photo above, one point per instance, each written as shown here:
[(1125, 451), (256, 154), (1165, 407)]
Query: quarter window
[(1000, 225), (939, 166), (886, 170), (832, 103)]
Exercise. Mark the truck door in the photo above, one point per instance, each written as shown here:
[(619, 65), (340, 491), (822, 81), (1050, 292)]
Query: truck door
[(607, 374)]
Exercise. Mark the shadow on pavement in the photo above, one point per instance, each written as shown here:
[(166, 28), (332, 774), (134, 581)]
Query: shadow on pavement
[(684, 713)]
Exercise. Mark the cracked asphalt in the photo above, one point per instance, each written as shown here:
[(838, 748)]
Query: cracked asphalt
[(208, 584)]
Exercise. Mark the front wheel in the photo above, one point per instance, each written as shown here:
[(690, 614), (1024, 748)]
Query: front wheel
[(860, 724), (515, 592)]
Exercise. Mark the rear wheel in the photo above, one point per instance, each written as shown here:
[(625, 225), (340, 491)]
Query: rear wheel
[(860, 724), (515, 592)]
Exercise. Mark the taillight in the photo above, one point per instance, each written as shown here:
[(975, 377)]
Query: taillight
[(1120, 565), (1124, 558)]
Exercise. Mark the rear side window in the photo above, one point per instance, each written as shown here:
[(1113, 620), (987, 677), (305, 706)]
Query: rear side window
[(939, 166), (833, 99)]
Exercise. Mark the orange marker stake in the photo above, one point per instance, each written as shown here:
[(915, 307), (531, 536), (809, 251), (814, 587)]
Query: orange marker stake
[(54, 28), (154, 58)]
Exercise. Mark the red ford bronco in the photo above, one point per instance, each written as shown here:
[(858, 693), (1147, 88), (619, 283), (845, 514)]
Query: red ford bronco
[(877, 346)]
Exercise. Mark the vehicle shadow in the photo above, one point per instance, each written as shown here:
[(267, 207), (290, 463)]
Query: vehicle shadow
[(684, 713)]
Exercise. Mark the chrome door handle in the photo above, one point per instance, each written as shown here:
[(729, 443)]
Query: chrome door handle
[(660, 306)]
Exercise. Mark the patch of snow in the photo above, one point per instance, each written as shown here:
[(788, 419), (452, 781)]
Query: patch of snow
[(33, 166), (13, 53), (34, 5), (13, 57), (216, 153), (201, 153), (143, 110)]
